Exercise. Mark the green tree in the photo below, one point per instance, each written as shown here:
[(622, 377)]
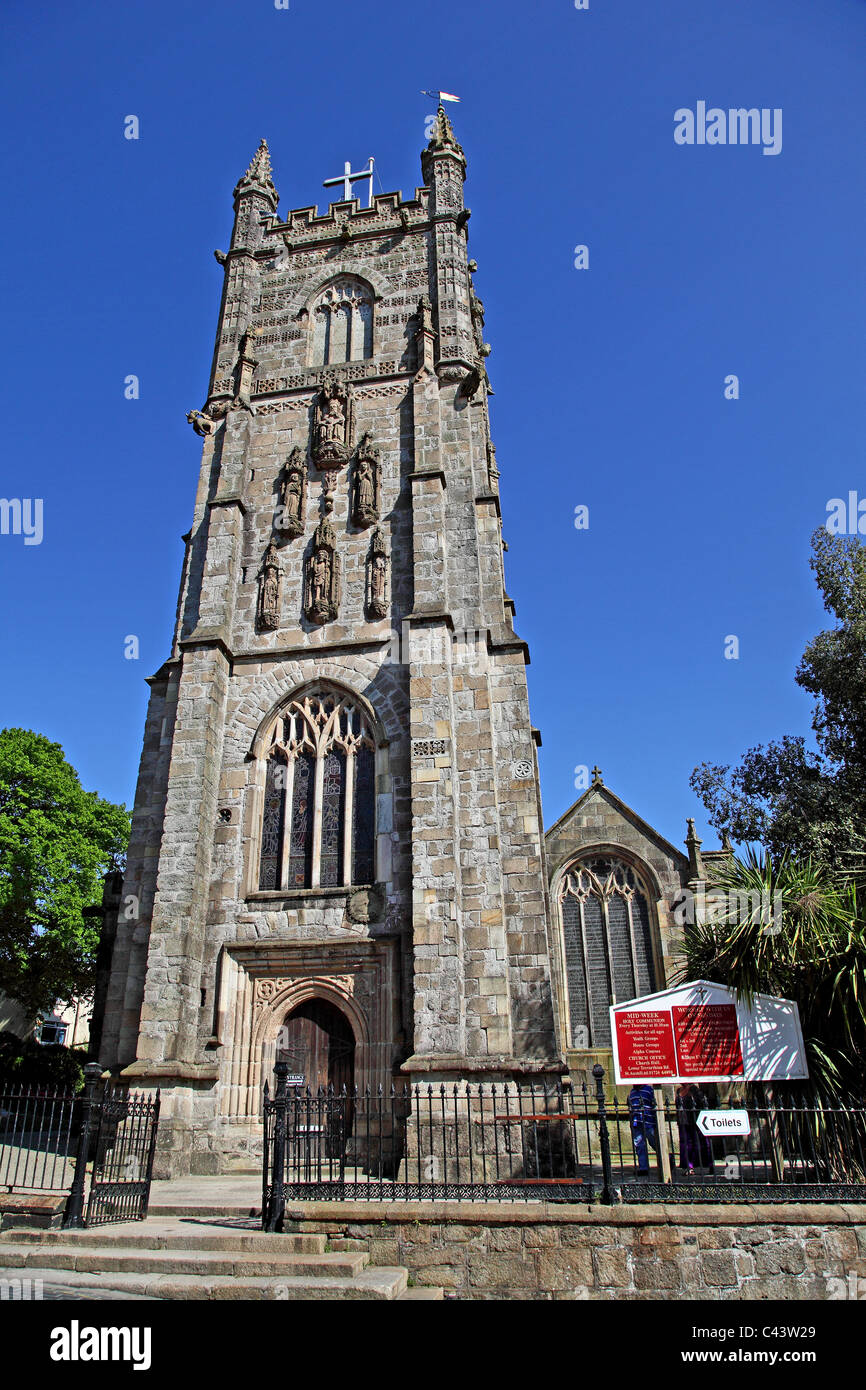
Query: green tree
[(792, 799), (56, 842), (793, 928)]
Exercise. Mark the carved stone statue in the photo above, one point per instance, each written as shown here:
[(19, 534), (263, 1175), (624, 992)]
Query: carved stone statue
[(201, 423), (268, 613), (289, 519), (322, 583), (378, 577), (332, 426), (244, 368), (365, 508)]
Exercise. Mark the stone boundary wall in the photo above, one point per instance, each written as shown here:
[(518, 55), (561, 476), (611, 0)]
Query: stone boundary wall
[(29, 1209), (552, 1252)]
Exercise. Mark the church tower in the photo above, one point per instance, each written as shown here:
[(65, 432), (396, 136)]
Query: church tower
[(337, 848)]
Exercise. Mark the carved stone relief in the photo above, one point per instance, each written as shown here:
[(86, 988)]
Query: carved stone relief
[(332, 425), (323, 573), (270, 580), (365, 906), (365, 500), (378, 596), (290, 513)]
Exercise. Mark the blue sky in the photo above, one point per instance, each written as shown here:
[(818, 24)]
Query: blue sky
[(609, 382)]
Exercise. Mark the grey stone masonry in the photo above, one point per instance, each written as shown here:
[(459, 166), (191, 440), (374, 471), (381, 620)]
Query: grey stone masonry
[(557, 1252), (358, 329)]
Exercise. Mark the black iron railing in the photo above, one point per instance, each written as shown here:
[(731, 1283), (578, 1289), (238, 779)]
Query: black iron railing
[(37, 1139), (546, 1142), (98, 1147)]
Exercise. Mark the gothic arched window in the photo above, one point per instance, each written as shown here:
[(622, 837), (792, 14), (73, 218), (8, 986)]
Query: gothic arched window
[(607, 939), (319, 821), (343, 322)]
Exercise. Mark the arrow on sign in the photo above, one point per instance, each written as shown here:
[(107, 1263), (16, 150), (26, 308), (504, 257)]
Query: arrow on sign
[(716, 1123)]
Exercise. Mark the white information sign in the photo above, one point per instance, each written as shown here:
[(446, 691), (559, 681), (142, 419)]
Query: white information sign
[(703, 1031), (715, 1124)]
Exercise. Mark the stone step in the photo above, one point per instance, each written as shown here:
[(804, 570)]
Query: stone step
[(174, 1210), (110, 1259), (157, 1236), (384, 1284), (419, 1295)]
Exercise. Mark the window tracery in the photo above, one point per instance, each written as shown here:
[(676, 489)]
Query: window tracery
[(607, 939), (343, 322), (318, 827)]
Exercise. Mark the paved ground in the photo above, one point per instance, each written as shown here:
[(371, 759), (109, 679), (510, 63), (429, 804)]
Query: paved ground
[(11, 1279), (240, 1191)]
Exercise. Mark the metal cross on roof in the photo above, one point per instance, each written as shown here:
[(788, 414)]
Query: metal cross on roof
[(347, 178)]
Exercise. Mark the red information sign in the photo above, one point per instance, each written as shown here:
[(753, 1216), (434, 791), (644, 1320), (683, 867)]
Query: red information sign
[(707, 1039), (645, 1044)]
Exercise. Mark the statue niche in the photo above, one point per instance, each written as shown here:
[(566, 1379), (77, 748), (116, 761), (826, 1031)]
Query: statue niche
[(365, 502), (332, 426), (289, 517), (378, 596), (270, 579), (322, 581)]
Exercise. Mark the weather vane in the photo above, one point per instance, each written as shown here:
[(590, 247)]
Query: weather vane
[(440, 96)]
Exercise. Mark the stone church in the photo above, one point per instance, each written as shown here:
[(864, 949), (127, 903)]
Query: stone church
[(337, 851)]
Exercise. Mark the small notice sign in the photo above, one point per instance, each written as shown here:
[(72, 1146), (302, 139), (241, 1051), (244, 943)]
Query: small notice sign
[(716, 1123)]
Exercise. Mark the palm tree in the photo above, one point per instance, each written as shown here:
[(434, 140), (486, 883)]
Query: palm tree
[(793, 928)]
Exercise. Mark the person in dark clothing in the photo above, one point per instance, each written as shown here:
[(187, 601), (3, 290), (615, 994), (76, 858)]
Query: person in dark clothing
[(695, 1149), (642, 1113)]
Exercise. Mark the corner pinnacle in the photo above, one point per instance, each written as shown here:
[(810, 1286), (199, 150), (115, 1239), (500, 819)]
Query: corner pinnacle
[(258, 176)]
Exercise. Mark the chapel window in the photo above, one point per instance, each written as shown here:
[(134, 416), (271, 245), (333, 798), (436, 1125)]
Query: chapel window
[(607, 937), (319, 820), (343, 322)]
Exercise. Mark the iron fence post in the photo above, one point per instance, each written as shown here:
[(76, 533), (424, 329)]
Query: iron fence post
[(151, 1154), (74, 1214), (266, 1152), (277, 1209), (603, 1136)]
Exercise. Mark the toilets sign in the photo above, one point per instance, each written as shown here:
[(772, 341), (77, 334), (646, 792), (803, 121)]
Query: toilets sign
[(703, 1032), (715, 1124)]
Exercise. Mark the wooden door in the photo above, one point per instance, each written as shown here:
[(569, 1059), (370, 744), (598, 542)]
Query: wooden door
[(318, 1044)]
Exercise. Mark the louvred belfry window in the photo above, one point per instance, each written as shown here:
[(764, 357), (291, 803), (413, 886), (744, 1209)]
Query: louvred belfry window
[(343, 322), (319, 821), (607, 938)]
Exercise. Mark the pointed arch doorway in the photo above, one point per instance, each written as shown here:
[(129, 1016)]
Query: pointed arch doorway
[(318, 1043)]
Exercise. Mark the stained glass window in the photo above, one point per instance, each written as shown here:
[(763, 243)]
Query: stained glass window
[(333, 818), (572, 929), (620, 948), (301, 835), (607, 941), (272, 825), (363, 816), (596, 959), (640, 916), (317, 734)]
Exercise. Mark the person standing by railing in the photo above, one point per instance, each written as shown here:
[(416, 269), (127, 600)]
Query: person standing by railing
[(694, 1148), (642, 1113)]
